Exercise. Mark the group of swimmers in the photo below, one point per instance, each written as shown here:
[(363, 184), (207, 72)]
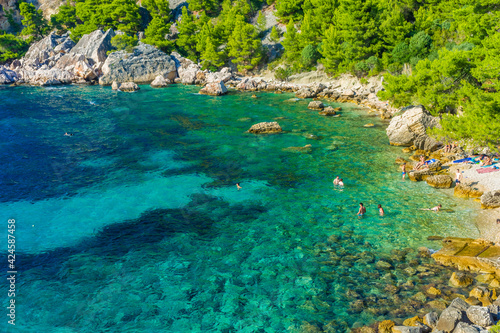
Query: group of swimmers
[(338, 182), (362, 210)]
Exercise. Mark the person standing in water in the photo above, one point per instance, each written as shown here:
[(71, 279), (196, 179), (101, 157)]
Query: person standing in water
[(238, 186), (380, 210), (362, 209), (403, 169), (336, 181), (341, 182)]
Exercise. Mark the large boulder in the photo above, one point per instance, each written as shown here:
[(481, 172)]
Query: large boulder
[(480, 315), (144, 64), (129, 87), (159, 82), (224, 75), (7, 76), (460, 280), (78, 65), (490, 199), (187, 70), (463, 327), (265, 128), (420, 174), (214, 89), (316, 105), (95, 45), (449, 319), (405, 128), (425, 142), (39, 52), (439, 181)]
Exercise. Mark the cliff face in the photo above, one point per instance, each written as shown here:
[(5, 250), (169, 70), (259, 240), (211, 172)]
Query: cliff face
[(48, 7)]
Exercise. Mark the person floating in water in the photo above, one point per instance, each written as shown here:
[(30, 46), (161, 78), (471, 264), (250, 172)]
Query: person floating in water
[(341, 182), (403, 170), (238, 186), (434, 209), (380, 210), (336, 181), (68, 134), (362, 209)]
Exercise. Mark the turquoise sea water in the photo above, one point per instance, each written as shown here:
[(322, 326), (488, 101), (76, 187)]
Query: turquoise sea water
[(134, 223)]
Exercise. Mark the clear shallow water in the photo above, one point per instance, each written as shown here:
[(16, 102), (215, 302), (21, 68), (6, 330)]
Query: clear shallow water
[(134, 223)]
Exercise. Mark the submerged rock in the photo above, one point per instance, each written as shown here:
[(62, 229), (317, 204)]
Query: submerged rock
[(328, 111), (265, 128), (316, 105), (460, 280)]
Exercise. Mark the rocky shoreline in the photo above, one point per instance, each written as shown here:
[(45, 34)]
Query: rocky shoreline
[(415, 284)]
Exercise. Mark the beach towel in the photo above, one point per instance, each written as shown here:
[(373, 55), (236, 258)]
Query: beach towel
[(486, 170)]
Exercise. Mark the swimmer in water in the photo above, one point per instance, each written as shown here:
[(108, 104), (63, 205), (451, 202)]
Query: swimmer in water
[(362, 209), (380, 210), (238, 186)]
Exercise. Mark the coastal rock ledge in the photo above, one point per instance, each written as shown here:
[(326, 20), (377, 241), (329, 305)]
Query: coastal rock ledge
[(469, 254), (265, 128)]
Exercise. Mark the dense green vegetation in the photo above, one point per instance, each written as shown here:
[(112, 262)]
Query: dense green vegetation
[(439, 53)]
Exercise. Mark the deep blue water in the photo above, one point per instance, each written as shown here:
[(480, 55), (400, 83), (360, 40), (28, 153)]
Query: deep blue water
[(134, 223)]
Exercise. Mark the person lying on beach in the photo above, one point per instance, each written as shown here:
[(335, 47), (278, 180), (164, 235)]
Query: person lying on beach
[(421, 163), (485, 161), (447, 148), (434, 209), (362, 210)]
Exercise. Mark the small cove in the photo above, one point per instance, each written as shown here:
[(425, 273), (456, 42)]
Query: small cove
[(134, 223)]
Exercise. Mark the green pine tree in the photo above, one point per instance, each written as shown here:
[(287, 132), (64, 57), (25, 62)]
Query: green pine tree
[(261, 22), (65, 19), (159, 26), (275, 35), (34, 23), (291, 42), (210, 57), (245, 46), (186, 42)]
